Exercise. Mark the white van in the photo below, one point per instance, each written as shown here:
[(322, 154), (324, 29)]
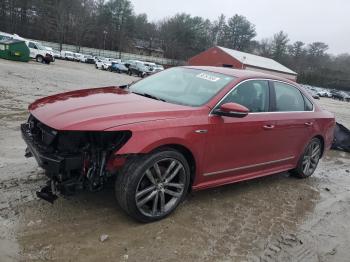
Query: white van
[(36, 50), (39, 52)]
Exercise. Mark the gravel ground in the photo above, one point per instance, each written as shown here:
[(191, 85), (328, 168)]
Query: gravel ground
[(276, 218)]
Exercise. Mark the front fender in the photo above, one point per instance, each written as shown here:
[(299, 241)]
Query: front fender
[(143, 144), (148, 136)]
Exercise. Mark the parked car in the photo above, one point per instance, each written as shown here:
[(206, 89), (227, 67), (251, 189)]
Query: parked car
[(158, 68), (186, 128), (103, 64), (128, 62), (324, 93), (87, 59), (77, 57), (39, 52), (67, 55), (118, 67), (340, 95), (140, 68), (114, 60), (313, 93), (96, 58), (56, 54)]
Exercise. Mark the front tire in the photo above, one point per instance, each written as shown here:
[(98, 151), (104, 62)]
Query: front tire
[(39, 59), (308, 162), (151, 187)]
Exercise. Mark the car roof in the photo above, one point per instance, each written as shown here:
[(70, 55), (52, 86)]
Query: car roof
[(239, 73)]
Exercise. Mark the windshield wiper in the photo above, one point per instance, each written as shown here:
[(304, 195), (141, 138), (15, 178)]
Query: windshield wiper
[(150, 96)]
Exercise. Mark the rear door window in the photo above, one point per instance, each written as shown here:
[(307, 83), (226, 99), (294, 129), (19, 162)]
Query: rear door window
[(288, 98)]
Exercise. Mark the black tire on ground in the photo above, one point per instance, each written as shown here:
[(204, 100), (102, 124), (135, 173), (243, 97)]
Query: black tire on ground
[(96, 66), (308, 161), (39, 59), (161, 179)]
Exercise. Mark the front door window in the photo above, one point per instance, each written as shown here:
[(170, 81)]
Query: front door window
[(253, 94)]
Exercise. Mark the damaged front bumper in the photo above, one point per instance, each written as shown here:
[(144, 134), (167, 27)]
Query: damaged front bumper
[(53, 164), (72, 160)]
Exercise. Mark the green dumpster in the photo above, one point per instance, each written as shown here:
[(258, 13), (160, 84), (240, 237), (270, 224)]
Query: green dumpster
[(13, 49)]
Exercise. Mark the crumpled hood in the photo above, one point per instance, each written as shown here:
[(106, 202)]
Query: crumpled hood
[(101, 108)]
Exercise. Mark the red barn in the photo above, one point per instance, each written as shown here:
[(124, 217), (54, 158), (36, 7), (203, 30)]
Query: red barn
[(221, 56)]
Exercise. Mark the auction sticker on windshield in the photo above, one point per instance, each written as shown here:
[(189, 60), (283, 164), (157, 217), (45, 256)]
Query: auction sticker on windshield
[(208, 77)]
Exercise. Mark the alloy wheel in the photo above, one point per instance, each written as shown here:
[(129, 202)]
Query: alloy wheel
[(161, 187), (311, 158)]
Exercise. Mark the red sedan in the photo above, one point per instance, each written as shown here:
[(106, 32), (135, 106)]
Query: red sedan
[(181, 129)]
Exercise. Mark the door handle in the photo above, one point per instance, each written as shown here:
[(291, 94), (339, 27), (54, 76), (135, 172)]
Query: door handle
[(308, 123), (268, 127)]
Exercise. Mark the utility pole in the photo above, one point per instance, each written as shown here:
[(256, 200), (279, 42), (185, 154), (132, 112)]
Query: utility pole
[(104, 41), (120, 40)]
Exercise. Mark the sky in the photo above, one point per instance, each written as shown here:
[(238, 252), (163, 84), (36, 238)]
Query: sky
[(303, 20)]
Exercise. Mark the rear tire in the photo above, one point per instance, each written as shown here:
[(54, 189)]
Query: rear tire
[(308, 162), (150, 187)]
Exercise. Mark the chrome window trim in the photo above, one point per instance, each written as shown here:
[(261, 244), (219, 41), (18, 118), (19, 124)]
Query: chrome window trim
[(248, 166), (269, 112)]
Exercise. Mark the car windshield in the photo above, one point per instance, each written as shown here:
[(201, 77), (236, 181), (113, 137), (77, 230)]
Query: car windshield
[(40, 47), (183, 86)]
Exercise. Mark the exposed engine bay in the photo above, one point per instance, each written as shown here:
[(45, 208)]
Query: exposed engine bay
[(73, 160)]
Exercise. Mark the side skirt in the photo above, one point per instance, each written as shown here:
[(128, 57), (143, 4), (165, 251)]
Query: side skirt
[(238, 178)]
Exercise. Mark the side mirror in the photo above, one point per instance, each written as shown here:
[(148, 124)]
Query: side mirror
[(232, 110)]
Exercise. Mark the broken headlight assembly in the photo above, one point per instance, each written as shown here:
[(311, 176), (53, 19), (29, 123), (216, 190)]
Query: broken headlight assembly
[(73, 160)]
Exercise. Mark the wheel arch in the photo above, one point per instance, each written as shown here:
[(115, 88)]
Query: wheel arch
[(186, 152), (320, 137)]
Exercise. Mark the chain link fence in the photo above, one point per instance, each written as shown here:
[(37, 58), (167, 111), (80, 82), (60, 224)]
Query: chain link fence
[(113, 54)]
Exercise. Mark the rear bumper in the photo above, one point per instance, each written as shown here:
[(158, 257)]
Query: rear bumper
[(53, 164)]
